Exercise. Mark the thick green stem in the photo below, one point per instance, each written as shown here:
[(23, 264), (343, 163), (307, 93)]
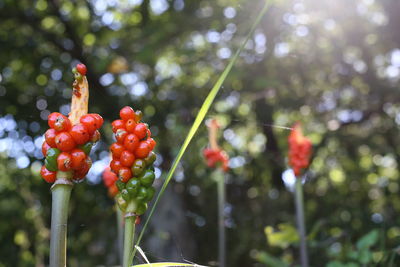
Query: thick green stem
[(129, 237), (120, 229), (61, 192), (129, 234), (301, 227), (219, 175)]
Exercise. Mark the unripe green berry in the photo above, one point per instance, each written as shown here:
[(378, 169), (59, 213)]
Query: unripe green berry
[(86, 147), (125, 195), (120, 185), (150, 193), (150, 158), (147, 178), (51, 159), (133, 187), (141, 208), (142, 194), (138, 166)]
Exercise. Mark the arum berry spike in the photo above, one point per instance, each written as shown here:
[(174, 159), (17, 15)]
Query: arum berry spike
[(132, 161), (215, 155), (66, 148), (299, 159)]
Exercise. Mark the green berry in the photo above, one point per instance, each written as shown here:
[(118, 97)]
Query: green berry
[(150, 193), (86, 147), (142, 194), (141, 208), (122, 204), (150, 158), (147, 178), (51, 159), (133, 187), (74, 70), (120, 185), (125, 194), (138, 167)]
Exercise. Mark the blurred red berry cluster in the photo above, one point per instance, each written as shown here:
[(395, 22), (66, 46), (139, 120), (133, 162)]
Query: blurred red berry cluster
[(109, 179), (215, 156), (67, 147), (300, 149)]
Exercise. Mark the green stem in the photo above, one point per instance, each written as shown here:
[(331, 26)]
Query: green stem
[(129, 234), (219, 175), (300, 222), (120, 229), (61, 192), (129, 237)]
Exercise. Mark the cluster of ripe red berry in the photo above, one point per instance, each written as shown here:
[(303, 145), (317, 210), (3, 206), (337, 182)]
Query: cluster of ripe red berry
[(109, 179), (132, 160), (67, 147), (216, 156), (300, 149)]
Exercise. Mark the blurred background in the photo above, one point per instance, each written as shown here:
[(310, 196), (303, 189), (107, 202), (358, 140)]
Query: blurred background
[(333, 65)]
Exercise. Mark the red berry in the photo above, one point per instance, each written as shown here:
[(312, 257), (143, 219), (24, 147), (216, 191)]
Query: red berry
[(80, 134), (78, 158), (50, 137), (124, 174), (137, 220), (120, 135), (151, 143), (130, 125), (64, 161), (116, 150), (59, 122), (143, 150), (127, 113), (109, 178), (99, 120), (131, 142), (45, 147), (127, 158), (113, 190), (95, 136), (148, 132), (115, 165), (81, 68), (47, 175), (117, 124), (89, 122), (51, 119), (140, 130), (81, 173), (65, 142)]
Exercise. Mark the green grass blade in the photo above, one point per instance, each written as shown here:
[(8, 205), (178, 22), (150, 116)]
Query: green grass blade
[(199, 119)]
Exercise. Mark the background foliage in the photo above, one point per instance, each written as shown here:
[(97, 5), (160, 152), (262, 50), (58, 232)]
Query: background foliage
[(334, 65)]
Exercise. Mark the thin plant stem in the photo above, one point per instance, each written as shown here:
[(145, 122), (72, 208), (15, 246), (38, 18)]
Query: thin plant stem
[(61, 193), (200, 117), (129, 237), (219, 175), (120, 232), (301, 227)]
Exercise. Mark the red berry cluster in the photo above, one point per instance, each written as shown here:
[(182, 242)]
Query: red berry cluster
[(215, 156), (109, 179), (66, 146), (300, 149), (132, 161), (133, 142)]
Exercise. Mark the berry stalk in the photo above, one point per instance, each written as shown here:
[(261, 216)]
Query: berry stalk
[(300, 222), (59, 215), (120, 231), (219, 176), (129, 238)]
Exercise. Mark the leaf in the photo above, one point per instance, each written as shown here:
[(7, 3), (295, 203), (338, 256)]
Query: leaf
[(270, 260), (286, 236), (368, 240), (199, 119)]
